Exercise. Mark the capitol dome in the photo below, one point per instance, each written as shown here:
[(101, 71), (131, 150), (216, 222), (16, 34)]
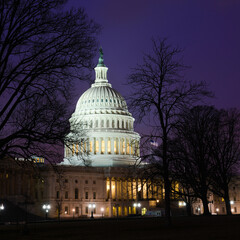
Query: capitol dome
[(102, 131)]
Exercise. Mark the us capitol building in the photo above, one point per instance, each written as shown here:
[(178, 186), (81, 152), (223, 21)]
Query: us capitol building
[(96, 176)]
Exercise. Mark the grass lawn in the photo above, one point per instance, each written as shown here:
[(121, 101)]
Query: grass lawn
[(194, 228)]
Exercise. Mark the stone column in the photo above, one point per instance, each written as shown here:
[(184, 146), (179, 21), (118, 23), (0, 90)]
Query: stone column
[(112, 146)]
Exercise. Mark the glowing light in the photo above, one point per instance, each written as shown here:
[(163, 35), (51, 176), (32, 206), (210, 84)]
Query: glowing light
[(231, 202), (2, 207), (217, 209)]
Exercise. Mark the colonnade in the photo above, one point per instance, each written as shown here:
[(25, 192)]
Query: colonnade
[(107, 145), (133, 189)]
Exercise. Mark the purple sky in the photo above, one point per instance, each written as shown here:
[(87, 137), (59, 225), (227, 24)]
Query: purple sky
[(209, 31)]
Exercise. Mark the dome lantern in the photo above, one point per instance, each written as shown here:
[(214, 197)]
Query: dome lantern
[(101, 71)]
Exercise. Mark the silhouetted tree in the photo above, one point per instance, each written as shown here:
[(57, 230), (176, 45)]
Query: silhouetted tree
[(226, 154), (43, 49), (160, 93), (192, 150)]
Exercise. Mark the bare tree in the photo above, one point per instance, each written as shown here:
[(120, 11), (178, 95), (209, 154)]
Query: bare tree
[(160, 92), (192, 158), (43, 49), (226, 154)]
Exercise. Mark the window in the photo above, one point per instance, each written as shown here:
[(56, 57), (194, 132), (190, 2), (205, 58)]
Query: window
[(97, 147), (86, 210), (76, 193), (94, 182), (234, 198), (66, 195), (66, 210), (90, 146), (234, 188), (77, 210), (86, 181), (103, 146), (57, 195), (86, 195), (94, 195), (76, 181), (66, 180), (223, 209), (235, 209)]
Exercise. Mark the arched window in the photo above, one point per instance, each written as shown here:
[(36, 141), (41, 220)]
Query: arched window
[(102, 123), (122, 124), (107, 123), (113, 124), (126, 124), (117, 123)]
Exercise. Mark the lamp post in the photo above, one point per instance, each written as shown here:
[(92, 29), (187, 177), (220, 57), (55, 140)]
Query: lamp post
[(137, 206), (46, 207), (102, 210), (1, 209), (92, 207)]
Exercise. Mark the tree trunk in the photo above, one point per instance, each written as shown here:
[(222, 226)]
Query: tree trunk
[(166, 183), (227, 202), (189, 209), (205, 207)]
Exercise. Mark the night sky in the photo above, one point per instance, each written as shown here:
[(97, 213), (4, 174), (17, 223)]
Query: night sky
[(209, 31)]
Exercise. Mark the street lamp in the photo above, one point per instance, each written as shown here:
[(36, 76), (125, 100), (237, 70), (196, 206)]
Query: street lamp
[(92, 207), (73, 210), (46, 207), (137, 205), (102, 210), (1, 209)]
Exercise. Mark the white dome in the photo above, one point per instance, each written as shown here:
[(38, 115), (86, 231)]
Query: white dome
[(101, 98), (102, 127)]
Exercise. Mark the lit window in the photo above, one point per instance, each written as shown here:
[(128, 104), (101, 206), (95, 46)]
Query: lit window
[(97, 146), (76, 149), (128, 147), (115, 146), (123, 147), (103, 147), (90, 146), (109, 146)]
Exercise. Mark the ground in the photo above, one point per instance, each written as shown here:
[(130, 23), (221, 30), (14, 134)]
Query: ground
[(194, 228)]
